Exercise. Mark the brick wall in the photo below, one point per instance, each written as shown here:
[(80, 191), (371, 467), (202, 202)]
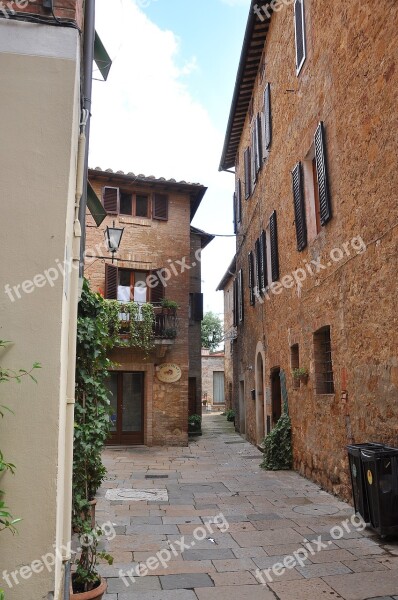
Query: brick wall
[(195, 366), (148, 245), (350, 82), (63, 9)]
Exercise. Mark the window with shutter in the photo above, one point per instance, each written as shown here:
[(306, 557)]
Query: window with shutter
[(253, 154), (238, 201), (274, 247), (235, 302), (251, 279), (248, 180), (157, 287), (160, 207), (322, 175), (267, 120), (240, 297), (299, 29), (235, 214), (263, 262), (258, 143), (197, 307), (111, 281), (110, 199), (299, 207), (258, 265)]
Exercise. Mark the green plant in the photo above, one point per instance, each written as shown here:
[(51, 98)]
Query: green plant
[(135, 321), (300, 373), (169, 304), (97, 332), (86, 576), (230, 414), (170, 334), (278, 453), (212, 331)]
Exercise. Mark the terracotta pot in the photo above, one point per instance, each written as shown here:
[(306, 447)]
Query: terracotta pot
[(95, 594)]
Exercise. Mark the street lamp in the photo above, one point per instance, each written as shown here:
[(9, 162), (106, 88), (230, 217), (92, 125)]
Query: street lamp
[(113, 237)]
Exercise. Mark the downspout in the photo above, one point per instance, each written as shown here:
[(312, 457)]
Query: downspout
[(79, 238)]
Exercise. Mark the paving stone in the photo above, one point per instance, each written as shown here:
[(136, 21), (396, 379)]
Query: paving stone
[(212, 553), (267, 562), (234, 578), (266, 538), (186, 580), (264, 516), (160, 595), (364, 565), (145, 521), (181, 520), (249, 552), (239, 592), (135, 584), (234, 564), (305, 589), (358, 586), (322, 569), (152, 529)]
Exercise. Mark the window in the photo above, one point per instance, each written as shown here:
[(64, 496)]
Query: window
[(273, 230), (160, 207), (248, 179), (267, 122), (128, 285), (240, 297), (251, 279), (295, 363), (310, 181), (324, 381), (124, 202), (299, 29), (238, 202), (253, 155)]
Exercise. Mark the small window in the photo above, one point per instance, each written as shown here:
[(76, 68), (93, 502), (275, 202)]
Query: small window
[(126, 203), (299, 28), (295, 363), (160, 207), (141, 206), (324, 380)]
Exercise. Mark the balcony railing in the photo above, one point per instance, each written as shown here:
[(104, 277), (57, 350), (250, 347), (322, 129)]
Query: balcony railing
[(165, 321)]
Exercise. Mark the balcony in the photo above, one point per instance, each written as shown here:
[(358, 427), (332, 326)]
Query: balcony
[(147, 326)]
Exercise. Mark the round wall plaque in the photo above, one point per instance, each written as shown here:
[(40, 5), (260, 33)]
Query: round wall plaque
[(169, 373)]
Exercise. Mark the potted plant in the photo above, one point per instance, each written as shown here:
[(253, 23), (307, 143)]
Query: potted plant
[(300, 374), (195, 425), (170, 334), (169, 307), (230, 414), (86, 582)]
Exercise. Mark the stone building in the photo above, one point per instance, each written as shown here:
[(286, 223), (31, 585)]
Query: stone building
[(159, 260), (311, 136), (226, 285), (213, 393)]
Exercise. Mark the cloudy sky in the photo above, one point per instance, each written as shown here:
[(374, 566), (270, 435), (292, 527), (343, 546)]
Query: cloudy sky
[(164, 109)]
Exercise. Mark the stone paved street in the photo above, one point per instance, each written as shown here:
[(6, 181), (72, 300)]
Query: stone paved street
[(269, 515)]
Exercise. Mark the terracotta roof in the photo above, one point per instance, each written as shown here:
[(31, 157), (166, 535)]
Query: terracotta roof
[(252, 49), (195, 190)]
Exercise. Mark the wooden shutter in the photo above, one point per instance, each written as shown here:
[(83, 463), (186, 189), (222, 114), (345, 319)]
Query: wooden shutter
[(110, 200), (258, 143), (253, 154), (273, 228), (157, 289), (299, 207), (257, 248), (235, 302), (241, 311), (235, 215), (248, 180), (263, 262), (197, 307), (251, 279), (299, 32), (111, 281), (160, 207), (238, 201), (322, 175), (267, 118)]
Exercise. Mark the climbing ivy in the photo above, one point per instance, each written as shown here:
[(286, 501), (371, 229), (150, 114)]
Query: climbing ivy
[(135, 322)]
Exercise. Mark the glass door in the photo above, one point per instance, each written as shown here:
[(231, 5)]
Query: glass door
[(127, 403)]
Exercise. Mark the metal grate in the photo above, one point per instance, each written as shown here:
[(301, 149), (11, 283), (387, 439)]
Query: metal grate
[(323, 361)]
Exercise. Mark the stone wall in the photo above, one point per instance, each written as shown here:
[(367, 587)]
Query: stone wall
[(350, 82), (210, 364)]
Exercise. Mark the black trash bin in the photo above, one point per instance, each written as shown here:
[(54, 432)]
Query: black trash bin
[(358, 478), (380, 469)]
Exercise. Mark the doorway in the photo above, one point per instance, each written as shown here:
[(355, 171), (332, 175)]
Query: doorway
[(260, 418), (242, 408), (127, 403), (218, 387), (276, 395)]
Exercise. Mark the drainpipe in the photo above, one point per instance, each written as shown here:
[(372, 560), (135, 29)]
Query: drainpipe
[(78, 247)]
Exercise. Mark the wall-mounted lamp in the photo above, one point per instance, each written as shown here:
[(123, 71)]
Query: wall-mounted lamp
[(113, 237)]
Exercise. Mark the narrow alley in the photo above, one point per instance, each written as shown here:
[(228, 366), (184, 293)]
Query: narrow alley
[(210, 523)]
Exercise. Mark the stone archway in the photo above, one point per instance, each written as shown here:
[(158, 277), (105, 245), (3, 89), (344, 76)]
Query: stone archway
[(260, 395)]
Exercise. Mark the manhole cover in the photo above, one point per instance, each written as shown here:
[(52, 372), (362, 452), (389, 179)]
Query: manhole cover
[(137, 495), (316, 509)]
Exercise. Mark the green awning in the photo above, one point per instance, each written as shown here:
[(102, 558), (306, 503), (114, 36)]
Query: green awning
[(94, 205), (101, 57)]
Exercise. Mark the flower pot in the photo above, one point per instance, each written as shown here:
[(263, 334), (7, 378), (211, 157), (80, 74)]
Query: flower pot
[(95, 594)]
